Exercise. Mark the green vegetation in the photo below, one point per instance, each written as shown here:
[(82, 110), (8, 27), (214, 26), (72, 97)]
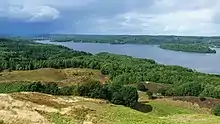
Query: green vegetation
[(132, 39), (141, 87), (120, 68), (122, 71), (117, 94), (84, 110), (198, 48), (216, 110)]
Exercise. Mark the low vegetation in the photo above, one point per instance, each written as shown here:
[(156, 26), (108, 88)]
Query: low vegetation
[(216, 110), (63, 77), (28, 108)]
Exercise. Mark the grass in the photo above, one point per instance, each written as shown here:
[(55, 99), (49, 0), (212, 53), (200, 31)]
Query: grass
[(57, 118), (78, 110), (63, 77), (163, 109)]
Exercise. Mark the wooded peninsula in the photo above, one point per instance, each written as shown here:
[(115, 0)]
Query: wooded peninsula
[(196, 48)]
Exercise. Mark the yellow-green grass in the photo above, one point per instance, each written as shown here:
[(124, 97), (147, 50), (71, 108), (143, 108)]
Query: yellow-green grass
[(61, 76), (76, 110)]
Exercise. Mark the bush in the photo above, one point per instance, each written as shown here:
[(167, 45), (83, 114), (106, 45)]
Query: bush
[(51, 88), (202, 98), (150, 94), (162, 91), (67, 90), (216, 110), (92, 89), (142, 87)]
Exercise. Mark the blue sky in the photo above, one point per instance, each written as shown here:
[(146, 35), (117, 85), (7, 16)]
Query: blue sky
[(176, 17)]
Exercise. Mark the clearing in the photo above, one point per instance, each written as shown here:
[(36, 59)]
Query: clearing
[(63, 77)]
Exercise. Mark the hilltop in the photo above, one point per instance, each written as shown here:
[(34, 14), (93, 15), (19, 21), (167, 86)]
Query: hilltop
[(37, 108)]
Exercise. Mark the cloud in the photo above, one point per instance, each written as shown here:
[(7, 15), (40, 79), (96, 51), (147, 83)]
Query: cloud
[(200, 17), (33, 14), (167, 17)]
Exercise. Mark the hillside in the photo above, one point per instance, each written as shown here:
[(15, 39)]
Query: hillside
[(48, 83), (37, 108)]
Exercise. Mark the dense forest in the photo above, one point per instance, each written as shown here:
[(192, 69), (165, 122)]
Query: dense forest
[(24, 55), (198, 48), (134, 39)]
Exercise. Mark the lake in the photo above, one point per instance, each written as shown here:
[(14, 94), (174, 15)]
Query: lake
[(207, 63)]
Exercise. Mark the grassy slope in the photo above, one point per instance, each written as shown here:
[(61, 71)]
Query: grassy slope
[(46, 109), (25, 108), (62, 76)]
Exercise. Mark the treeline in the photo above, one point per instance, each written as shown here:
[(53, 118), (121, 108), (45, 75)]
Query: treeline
[(117, 94), (134, 39), (20, 55), (197, 48), (121, 69)]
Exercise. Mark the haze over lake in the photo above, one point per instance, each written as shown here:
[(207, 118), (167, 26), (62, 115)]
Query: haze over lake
[(207, 63)]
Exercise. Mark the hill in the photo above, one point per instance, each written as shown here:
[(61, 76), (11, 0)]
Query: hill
[(37, 108)]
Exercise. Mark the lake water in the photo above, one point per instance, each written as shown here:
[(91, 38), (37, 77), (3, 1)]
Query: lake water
[(207, 63)]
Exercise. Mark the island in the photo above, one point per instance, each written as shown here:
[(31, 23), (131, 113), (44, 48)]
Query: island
[(196, 48)]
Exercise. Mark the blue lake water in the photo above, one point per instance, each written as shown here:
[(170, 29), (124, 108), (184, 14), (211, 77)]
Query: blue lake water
[(207, 63)]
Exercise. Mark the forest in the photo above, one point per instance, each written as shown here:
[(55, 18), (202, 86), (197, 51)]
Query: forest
[(197, 48), (134, 39), (122, 69)]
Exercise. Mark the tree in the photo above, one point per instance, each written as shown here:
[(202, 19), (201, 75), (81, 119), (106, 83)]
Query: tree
[(142, 87)]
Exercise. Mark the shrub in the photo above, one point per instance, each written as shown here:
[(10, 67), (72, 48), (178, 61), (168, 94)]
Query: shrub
[(92, 89), (162, 91), (202, 98), (142, 87), (33, 87), (150, 94), (216, 110), (51, 88), (67, 90)]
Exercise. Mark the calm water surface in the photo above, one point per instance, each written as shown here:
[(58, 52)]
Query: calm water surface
[(208, 63)]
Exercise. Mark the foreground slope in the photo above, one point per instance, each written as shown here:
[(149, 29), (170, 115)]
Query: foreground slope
[(37, 108)]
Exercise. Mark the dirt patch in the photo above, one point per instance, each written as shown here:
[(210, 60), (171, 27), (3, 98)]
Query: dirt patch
[(20, 112), (40, 99)]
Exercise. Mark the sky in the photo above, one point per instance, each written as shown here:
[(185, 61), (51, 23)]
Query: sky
[(150, 17)]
